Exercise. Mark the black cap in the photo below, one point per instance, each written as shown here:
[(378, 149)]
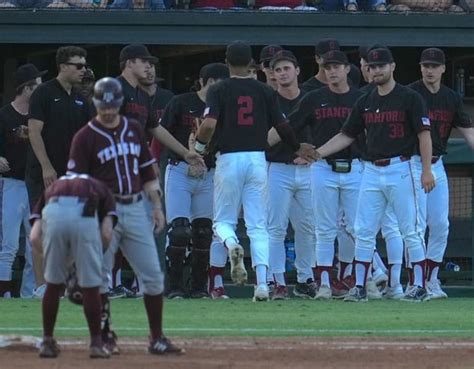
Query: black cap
[(268, 52), (238, 54), (254, 65), (27, 73), (325, 45), (214, 70), (137, 51), (334, 57), (379, 56), (364, 50), (433, 55), (283, 55), (89, 76)]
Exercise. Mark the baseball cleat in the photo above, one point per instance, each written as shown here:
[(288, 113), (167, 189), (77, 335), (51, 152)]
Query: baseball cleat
[(339, 289), (373, 292), (435, 291), (261, 293), (238, 274), (324, 293), (218, 294), (110, 342), (49, 349), (306, 290), (393, 293), (39, 291), (417, 294), (176, 294), (356, 294), (98, 352), (163, 346), (117, 292), (280, 293), (198, 294)]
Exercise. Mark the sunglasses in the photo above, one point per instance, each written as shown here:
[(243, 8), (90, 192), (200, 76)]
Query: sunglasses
[(78, 66)]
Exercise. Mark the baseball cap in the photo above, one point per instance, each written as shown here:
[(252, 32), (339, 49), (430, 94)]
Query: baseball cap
[(268, 52), (364, 50), (238, 54), (26, 73), (283, 55), (325, 45), (433, 55), (254, 65), (379, 56), (136, 51), (214, 70), (335, 57), (88, 75)]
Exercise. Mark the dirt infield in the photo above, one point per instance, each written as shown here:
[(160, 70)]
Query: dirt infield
[(259, 353)]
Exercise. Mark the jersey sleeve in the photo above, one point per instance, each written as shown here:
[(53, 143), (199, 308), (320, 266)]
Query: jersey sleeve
[(152, 118), (79, 154), (461, 117), (300, 116), (37, 109), (169, 118), (418, 113), (212, 102), (355, 124), (145, 160)]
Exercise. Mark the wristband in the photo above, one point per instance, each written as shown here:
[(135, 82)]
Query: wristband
[(199, 147)]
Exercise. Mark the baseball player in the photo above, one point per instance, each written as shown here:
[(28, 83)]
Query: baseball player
[(266, 55), (394, 117), (335, 180), (445, 109), (112, 148), (66, 227), (289, 192), (241, 111), (189, 189)]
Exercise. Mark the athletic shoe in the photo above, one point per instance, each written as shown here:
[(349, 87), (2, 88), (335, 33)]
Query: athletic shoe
[(379, 277), (98, 352), (408, 288), (261, 293), (373, 292), (324, 293), (435, 291), (163, 346), (218, 294), (49, 349), (133, 293), (280, 293), (176, 295), (198, 294), (110, 342), (118, 292), (271, 288), (39, 291), (393, 293), (306, 290), (417, 294), (339, 289), (356, 294), (238, 274)]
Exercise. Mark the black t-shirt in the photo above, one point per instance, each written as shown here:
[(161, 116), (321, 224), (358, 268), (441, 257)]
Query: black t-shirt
[(136, 105), (369, 87), (62, 116), (312, 84), (392, 122), (325, 113), (445, 110), (245, 110), (14, 147), (281, 152)]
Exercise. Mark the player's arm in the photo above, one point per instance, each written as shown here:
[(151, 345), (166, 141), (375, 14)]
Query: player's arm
[(337, 143), (204, 133), (468, 134), (157, 209), (426, 152), (35, 127), (36, 236)]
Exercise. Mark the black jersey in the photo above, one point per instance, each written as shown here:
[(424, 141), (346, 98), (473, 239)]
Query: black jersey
[(369, 87), (392, 122), (159, 101), (445, 110), (325, 113), (136, 105), (245, 110), (281, 152), (312, 84)]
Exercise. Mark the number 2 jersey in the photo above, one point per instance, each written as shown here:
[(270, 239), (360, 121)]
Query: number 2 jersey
[(245, 110)]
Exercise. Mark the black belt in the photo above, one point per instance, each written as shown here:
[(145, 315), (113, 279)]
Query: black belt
[(386, 162), (434, 159), (128, 199), (175, 161)]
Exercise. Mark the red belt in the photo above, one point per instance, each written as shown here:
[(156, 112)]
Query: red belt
[(435, 159), (386, 162)]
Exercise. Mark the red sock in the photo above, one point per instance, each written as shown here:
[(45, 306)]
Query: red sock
[(92, 310), (154, 311), (342, 270), (430, 265), (213, 272), (410, 276), (50, 305)]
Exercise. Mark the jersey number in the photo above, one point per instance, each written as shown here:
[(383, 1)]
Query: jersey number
[(397, 130), (244, 114)]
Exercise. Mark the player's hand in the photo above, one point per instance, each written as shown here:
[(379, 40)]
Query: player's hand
[(49, 176), (158, 218), (196, 171), (193, 158), (301, 161), (22, 132), (427, 181), (307, 152), (4, 165)]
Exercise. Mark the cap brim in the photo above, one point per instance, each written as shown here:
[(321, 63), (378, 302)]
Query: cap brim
[(42, 73), (334, 62), (151, 59), (380, 63), (432, 62), (275, 61)]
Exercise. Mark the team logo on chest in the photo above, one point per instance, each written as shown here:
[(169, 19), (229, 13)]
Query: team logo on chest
[(120, 149)]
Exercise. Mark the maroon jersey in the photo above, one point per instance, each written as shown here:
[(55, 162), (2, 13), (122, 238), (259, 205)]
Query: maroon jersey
[(119, 156), (78, 185)]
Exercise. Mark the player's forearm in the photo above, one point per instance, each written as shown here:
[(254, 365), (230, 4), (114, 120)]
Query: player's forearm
[(150, 189), (426, 150), (273, 137), (167, 139), (37, 144), (468, 134), (206, 130), (37, 252), (337, 143)]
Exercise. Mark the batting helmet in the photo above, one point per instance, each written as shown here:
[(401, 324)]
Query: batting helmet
[(107, 93)]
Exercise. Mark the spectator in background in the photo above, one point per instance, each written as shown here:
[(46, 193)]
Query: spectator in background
[(213, 4), (137, 4), (86, 86), (253, 69), (424, 5), (25, 4), (266, 55), (354, 5), (284, 5)]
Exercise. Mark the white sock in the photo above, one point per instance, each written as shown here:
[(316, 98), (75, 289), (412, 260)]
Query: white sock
[(360, 274), (325, 278), (218, 281), (417, 275), (378, 263), (395, 271), (348, 271), (261, 272), (434, 274), (280, 278)]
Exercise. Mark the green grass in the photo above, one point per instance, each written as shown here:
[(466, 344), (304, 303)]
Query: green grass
[(240, 317)]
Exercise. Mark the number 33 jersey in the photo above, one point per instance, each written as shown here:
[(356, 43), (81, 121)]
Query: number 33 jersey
[(245, 109)]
